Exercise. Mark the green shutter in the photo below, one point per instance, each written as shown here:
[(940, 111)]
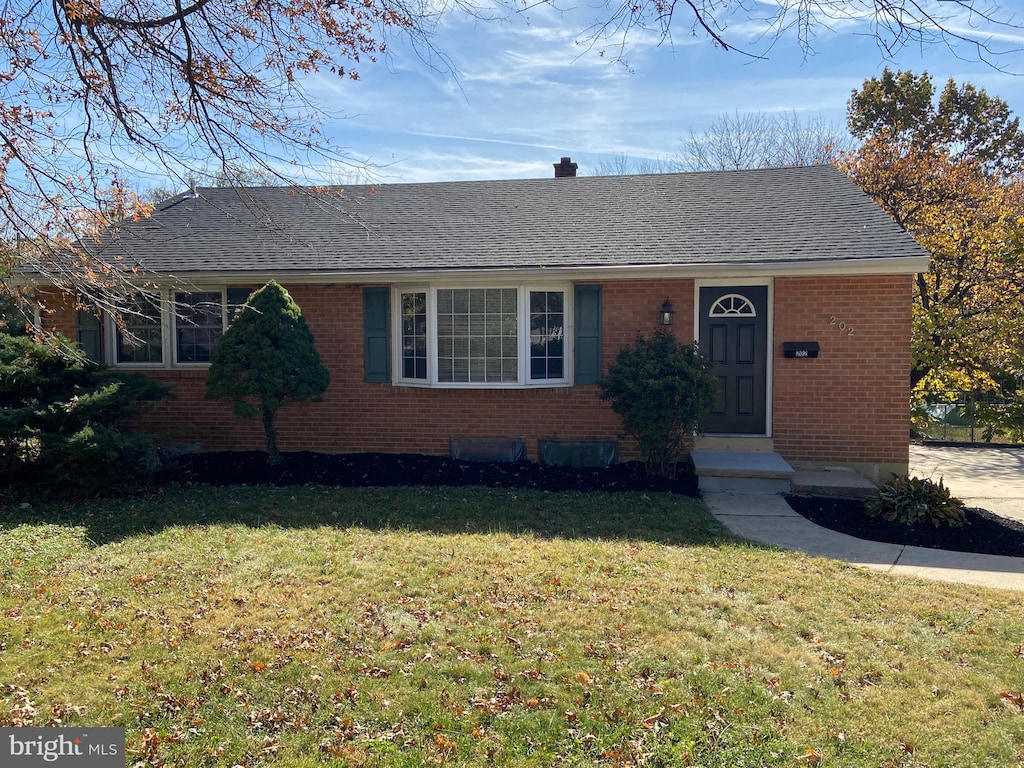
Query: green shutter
[(588, 334), (376, 324)]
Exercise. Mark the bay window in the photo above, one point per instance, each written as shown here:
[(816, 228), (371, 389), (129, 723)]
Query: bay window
[(547, 334), (414, 335), (482, 336)]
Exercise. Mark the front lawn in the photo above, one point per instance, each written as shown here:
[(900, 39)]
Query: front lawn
[(473, 627)]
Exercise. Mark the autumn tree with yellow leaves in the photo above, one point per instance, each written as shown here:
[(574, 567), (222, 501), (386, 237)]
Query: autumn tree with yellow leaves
[(947, 167)]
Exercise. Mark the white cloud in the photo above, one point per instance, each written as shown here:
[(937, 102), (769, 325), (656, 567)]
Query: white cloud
[(526, 93)]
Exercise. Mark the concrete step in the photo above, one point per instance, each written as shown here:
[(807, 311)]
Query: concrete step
[(742, 471), (733, 443), (840, 482)]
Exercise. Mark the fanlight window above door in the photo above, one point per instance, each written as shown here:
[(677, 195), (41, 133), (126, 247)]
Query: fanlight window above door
[(732, 305)]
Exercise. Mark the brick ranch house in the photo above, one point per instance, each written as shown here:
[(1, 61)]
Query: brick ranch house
[(492, 308)]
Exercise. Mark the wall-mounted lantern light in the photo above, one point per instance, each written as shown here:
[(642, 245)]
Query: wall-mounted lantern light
[(666, 312)]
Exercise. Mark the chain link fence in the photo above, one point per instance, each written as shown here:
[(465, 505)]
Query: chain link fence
[(973, 418)]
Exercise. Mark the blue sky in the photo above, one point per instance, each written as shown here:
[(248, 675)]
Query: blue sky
[(523, 94)]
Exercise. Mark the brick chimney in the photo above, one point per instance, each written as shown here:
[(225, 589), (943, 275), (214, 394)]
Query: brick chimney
[(565, 169)]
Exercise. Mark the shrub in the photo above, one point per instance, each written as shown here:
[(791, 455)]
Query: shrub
[(59, 416), (267, 358), (663, 390), (912, 500)]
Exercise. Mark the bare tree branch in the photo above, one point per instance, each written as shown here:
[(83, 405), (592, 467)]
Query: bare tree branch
[(763, 140), (982, 30)]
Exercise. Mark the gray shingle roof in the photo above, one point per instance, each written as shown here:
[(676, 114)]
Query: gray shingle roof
[(811, 214)]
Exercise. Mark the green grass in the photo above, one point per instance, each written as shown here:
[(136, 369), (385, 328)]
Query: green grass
[(473, 627)]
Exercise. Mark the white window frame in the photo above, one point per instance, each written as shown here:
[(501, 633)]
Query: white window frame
[(523, 291), (168, 329), (111, 331), (173, 318)]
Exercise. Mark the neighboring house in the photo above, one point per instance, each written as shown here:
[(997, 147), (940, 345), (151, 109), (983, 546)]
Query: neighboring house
[(492, 308)]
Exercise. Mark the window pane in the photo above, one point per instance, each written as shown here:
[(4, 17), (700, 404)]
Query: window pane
[(237, 296), (509, 347), (444, 302), (547, 331), (537, 368), (478, 369), (474, 325), (90, 335), (445, 345), (141, 339), (199, 324), (414, 335)]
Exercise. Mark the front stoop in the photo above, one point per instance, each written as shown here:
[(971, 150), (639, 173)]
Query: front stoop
[(742, 471)]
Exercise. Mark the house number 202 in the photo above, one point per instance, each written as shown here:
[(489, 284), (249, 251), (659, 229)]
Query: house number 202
[(840, 325)]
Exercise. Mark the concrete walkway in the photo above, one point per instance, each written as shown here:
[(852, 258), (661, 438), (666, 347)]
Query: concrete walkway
[(768, 519), (984, 476), (987, 477)]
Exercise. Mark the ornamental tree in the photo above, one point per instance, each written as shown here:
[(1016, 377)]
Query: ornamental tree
[(663, 390), (265, 359), (948, 170)]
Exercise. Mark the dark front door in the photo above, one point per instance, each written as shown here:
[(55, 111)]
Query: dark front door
[(734, 334)]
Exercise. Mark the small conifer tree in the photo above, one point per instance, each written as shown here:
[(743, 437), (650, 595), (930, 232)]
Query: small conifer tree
[(265, 359)]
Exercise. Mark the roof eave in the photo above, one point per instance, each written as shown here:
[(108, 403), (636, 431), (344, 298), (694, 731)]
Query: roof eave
[(907, 265)]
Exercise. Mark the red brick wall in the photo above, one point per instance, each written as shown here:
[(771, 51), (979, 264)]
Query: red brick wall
[(847, 406), (851, 404), (57, 313), (629, 308), (356, 416)]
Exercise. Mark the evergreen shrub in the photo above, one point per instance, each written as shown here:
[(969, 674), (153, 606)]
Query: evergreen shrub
[(663, 390), (60, 416)]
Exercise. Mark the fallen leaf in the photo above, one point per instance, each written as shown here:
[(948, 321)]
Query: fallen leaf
[(1015, 698), (811, 757)]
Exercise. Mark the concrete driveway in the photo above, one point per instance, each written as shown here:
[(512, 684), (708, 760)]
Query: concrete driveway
[(986, 477)]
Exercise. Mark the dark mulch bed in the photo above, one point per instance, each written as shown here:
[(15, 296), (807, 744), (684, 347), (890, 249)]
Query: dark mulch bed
[(383, 469), (984, 532)]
